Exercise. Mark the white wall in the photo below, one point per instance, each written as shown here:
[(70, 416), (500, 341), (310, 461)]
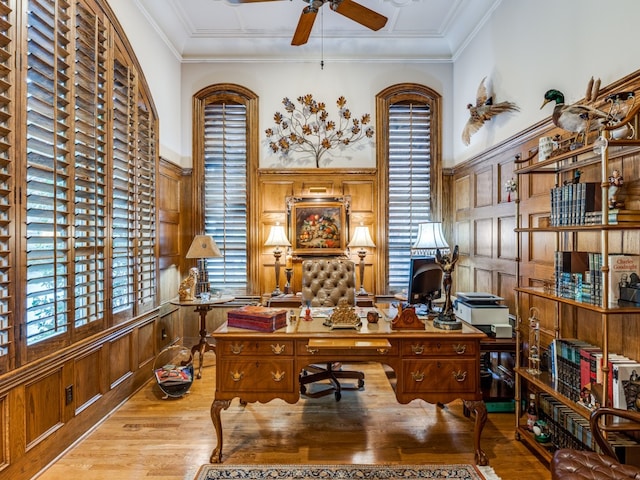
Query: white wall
[(529, 47), (358, 83), (161, 69), (526, 48)]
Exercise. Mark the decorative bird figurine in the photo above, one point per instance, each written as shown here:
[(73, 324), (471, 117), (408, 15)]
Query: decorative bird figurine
[(574, 118), (483, 111)]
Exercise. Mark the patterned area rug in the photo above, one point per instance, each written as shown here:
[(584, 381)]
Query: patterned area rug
[(340, 472)]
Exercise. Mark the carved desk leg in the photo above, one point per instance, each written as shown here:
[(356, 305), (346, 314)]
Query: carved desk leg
[(480, 409), (216, 406)]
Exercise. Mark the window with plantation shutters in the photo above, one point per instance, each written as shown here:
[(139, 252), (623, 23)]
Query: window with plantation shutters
[(49, 188), (122, 198), (91, 159), (410, 120), (225, 193), (7, 180)]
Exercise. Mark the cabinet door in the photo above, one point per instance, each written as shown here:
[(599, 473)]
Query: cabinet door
[(440, 375)]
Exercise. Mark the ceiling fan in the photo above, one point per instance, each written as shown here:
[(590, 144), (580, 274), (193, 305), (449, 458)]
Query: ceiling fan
[(348, 8)]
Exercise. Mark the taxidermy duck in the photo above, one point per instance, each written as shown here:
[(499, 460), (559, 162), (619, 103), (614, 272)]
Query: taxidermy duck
[(574, 118), (483, 110)]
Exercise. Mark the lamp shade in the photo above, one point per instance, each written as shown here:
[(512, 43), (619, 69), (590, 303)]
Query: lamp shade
[(430, 238), (361, 238), (277, 237), (203, 246)]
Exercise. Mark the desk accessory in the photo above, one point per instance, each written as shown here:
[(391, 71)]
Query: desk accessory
[(406, 319), (343, 316)]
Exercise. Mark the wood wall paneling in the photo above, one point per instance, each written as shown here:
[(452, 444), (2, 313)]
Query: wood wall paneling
[(146, 344), (483, 281), (87, 386), (4, 431), (43, 407), (506, 238), (463, 237), (120, 353), (483, 237), (462, 190), (483, 187)]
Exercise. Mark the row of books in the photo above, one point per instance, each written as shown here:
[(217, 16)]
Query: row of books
[(576, 204), (566, 428), (577, 370), (578, 276)]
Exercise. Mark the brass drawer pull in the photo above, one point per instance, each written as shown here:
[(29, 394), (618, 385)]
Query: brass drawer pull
[(237, 348), (417, 349), (460, 376), (237, 376), (417, 376), (278, 349), (459, 348), (277, 376), (383, 351), (312, 350)]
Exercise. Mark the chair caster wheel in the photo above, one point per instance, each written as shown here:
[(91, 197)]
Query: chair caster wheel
[(338, 396)]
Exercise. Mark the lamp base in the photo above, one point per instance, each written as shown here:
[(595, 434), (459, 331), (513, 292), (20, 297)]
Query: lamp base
[(276, 293), (362, 292), (447, 321)]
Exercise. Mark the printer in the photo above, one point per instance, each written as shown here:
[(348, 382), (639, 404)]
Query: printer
[(478, 308)]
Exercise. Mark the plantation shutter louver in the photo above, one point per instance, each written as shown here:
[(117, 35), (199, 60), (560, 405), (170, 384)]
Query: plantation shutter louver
[(225, 193), (409, 184)]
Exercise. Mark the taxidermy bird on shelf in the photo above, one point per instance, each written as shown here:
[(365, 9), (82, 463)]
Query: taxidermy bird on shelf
[(483, 111), (575, 118)]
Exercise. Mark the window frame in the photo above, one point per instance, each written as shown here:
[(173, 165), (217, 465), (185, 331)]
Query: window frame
[(400, 93), (238, 94)]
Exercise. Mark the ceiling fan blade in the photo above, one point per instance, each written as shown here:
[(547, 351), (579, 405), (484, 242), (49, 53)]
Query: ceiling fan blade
[(305, 24), (360, 13)]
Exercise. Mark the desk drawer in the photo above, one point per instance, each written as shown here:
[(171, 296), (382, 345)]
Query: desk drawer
[(258, 375), (440, 375), (235, 348), (427, 347), (342, 349)]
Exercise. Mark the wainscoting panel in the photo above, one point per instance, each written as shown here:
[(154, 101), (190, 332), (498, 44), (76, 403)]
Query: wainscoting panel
[(462, 197), (483, 188), (88, 371), (4, 431), (146, 344), (120, 354), (507, 238), (42, 411), (483, 237), (463, 237), (483, 281)]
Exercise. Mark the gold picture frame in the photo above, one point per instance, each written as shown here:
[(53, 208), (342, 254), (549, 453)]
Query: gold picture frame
[(318, 225)]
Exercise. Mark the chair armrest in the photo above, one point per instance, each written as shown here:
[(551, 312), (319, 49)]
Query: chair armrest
[(605, 420)]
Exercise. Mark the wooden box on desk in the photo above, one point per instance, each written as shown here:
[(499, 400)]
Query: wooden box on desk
[(261, 319)]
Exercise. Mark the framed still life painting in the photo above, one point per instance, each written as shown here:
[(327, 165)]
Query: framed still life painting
[(318, 226)]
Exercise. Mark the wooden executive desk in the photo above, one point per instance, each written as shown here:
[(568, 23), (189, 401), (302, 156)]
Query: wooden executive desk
[(434, 365)]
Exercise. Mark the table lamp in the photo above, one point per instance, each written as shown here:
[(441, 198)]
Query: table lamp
[(203, 247), (277, 238), (361, 239), (430, 238)]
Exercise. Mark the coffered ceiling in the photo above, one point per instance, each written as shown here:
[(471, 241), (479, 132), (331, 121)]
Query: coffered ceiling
[(225, 31)]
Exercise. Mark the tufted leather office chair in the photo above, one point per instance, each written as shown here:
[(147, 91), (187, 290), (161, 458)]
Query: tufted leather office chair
[(569, 464), (324, 283)]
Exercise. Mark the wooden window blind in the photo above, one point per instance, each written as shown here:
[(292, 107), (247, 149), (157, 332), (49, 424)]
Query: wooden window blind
[(409, 184), (7, 181), (225, 193)]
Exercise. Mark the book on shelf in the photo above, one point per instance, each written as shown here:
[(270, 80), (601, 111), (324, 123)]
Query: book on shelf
[(576, 204), (617, 215), (626, 385), (621, 269)]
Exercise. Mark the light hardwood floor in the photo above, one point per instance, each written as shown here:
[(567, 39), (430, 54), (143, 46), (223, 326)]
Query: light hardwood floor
[(149, 437)]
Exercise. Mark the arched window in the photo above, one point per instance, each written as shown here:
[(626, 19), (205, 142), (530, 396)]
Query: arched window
[(224, 165), (409, 171)]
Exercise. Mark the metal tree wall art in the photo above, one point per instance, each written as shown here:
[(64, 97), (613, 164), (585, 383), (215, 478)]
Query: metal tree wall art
[(306, 128)]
